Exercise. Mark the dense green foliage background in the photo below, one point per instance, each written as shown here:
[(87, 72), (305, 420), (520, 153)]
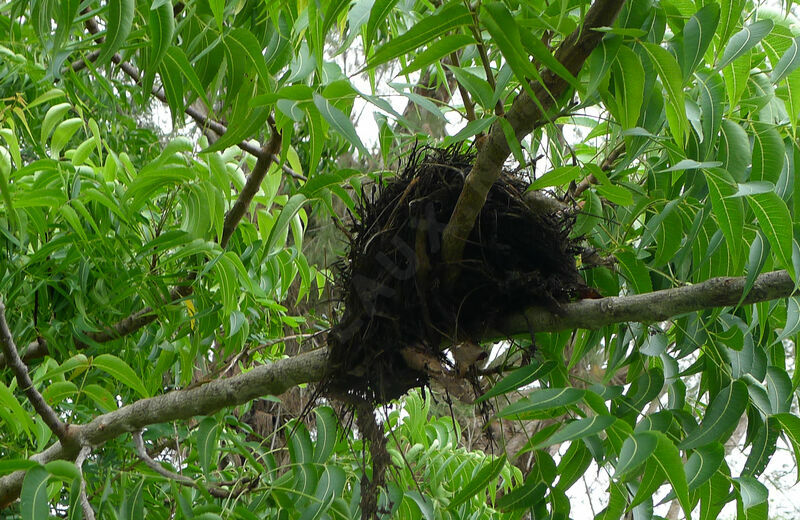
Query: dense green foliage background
[(677, 140)]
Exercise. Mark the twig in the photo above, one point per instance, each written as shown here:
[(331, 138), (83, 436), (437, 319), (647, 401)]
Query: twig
[(469, 106), (251, 187), (24, 381), (88, 512), (525, 114), (607, 164)]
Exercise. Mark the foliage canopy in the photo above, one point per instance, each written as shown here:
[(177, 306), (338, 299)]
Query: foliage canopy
[(138, 261)]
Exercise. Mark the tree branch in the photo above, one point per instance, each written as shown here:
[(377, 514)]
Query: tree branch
[(276, 378), (24, 381), (523, 116), (251, 187)]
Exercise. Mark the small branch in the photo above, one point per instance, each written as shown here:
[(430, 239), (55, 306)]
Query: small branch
[(24, 381), (251, 187), (608, 163), (525, 114), (155, 466), (88, 512)]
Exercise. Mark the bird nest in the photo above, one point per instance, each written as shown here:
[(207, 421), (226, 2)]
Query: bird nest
[(400, 297)]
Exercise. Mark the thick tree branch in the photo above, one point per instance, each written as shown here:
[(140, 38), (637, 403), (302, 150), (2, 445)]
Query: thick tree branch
[(525, 115), (276, 378), (24, 381)]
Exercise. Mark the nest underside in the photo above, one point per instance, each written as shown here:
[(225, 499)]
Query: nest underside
[(395, 288)]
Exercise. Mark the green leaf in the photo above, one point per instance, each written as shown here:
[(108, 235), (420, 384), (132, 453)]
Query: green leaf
[(523, 497), (744, 40), (436, 51), (668, 458), (120, 371), (556, 177), (752, 491), (703, 463), (339, 122), (332, 12), (643, 390), (579, 429), (162, 30), (478, 87), (11, 465), (63, 469), (519, 378), (629, 85), (207, 445), (752, 188), (449, 17), (768, 153), (537, 48), (279, 229), (33, 496), (242, 44), (378, 16), (762, 449), (721, 417), (237, 133), (62, 134), (477, 483), (697, 35), (779, 385), (504, 33), (635, 450), (53, 117), (734, 149), (175, 59), (728, 212), (118, 27), (776, 223), (327, 431), (545, 399), (788, 62), (670, 73)]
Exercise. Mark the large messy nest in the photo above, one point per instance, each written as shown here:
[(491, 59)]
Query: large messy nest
[(395, 289)]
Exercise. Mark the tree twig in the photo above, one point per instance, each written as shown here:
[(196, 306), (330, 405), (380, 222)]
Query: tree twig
[(251, 187), (24, 381), (607, 164), (525, 114), (88, 512)]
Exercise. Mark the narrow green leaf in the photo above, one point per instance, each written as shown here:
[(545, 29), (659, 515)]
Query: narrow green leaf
[(721, 416), (478, 482), (702, 464), (118, 27), (242, 44), (504, 32), (629, 85), (556, 177), (327, 431), (728, 212), (120, 371), (438, 50), (788, 62), (63, 469), (333, 10), (52, 118), (768, 153), (779, 385), (670, 73), (518, 378), (207, 445), (545, 399), (33, 496), (635, 450), (162, 29), (176, 59), (776, 223), (752, 188), (697, 35), (578, 430), (668, 458), (762, 448), (340, 122), (752, 491), (523, 497), (537, 48), (449, 17), (378, 16), (281, 225), (734, 149), (744, 40)]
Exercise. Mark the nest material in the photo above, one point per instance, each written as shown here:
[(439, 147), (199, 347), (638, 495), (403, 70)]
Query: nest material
[(393, 286)]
